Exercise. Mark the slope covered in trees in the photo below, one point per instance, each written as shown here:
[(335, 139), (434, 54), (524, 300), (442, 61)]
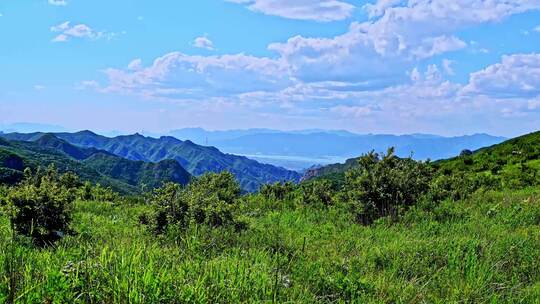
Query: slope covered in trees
[(97, 166), (513, 163), (194, 158)]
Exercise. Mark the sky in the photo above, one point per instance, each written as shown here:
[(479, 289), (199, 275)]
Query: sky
[(388, 66)]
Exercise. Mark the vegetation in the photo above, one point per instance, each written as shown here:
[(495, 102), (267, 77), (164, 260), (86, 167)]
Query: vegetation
[(196, 159), (385, 186), (122, 175), (209, 200), (40, 207), (393, 230)]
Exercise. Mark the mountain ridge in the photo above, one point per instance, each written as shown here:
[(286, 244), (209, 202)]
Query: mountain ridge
[(196, 159), (98, 166)]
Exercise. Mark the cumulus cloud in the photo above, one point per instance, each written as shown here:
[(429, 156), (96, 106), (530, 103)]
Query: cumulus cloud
[(58, 2), (182, 76), (203, 42), (67, 31), (376, 69), (317, 10), (516, 76), (398, 34), (447, 66)]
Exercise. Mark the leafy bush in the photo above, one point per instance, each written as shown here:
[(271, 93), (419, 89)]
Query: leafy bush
[(277, 191), (89, 192), (209, 200), (319, 192), (460, 185), (385, 185), (4, 191), (40, 207)]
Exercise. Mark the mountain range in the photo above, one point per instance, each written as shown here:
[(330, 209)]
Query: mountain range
[(302, 149), (196, 159), (90, 164), (506, 158)]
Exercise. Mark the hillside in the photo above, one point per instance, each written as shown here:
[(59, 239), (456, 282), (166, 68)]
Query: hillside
[(196, 159), (512, 157), (517, 157), (302, 149), (123, 175)]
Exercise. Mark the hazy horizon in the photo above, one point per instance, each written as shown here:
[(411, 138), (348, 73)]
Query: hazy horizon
[(27, 127)]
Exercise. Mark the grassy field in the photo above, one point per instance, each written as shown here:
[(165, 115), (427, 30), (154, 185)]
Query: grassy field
[(483, 250)]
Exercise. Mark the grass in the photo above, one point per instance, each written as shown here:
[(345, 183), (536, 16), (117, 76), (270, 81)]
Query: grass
[(483, 250)]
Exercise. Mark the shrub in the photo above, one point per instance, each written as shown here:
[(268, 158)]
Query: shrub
[(41, 206), (385, 185), (88, 192), (319, 192), (209, 200), (277, 191), (460, 186)]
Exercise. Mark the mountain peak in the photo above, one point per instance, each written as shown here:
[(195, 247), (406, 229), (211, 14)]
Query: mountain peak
[(86, 132)]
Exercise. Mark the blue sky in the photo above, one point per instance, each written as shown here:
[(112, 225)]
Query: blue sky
[(387, 66)]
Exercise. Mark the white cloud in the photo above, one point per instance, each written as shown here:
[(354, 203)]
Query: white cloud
[(181, 76), (204, 43), (135, 65), (39, 87), (516, 76), (66, 31), (58, 2), (437, 45), (447, 66), (318, 10), (537, 29), (398, 34)]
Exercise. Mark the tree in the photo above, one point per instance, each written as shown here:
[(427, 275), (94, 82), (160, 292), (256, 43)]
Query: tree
[(318, 192), (385, 185), (277, 191), (41, 206), (209, 200)]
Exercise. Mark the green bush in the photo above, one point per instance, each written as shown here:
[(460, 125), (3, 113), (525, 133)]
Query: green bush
[(460, 185), (88, 192), (277, 191), (40, 207), (319, 192), (210, 200), (385, 185)]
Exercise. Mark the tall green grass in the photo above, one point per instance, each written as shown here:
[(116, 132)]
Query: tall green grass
[(483, 250)]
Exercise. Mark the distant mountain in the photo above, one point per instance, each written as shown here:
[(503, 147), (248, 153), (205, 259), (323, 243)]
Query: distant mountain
[(195, 158), (331, 144), (511, 157), (507, 157), (123, 175), (24, 127), (301, 149)]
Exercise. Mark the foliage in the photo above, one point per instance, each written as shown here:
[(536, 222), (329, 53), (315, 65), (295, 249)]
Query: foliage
[(385, 185), (209, 200), (196, 159), (277, 191), (40, 207), (318, 192), (122, 175), (483, 250)]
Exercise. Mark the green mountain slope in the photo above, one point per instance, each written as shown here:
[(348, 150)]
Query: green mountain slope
[(195, 158), (515, 157), (512, 158), (123, 175)]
